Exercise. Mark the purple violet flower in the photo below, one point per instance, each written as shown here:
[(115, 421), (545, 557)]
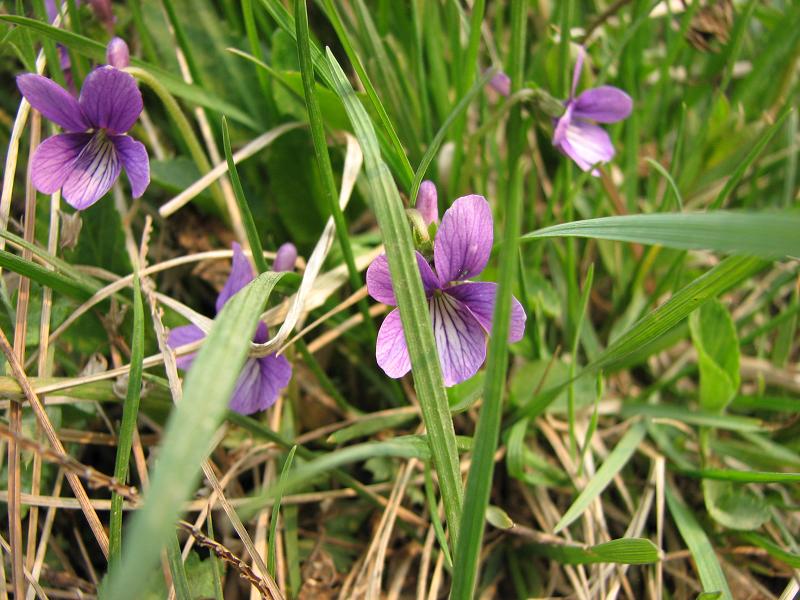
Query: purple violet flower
[(584, 142), (86, 160), (262, 378), (501, 83), (461, 310)]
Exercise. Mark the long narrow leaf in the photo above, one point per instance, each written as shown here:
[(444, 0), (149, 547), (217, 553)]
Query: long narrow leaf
[(130, 412), (414, 313), (208, 388), (765, 234)]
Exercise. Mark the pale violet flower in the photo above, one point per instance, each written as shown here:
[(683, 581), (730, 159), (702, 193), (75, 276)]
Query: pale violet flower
[(576, 133), (262, 378), (461, 310)]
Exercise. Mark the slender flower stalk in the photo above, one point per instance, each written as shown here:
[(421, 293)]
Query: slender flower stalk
[(86, 160), (262, 378), (576, 135), (461, 310)]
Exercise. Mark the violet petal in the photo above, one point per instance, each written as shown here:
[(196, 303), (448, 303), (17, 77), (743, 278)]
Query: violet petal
[(460, 339), (391, 351), (133, 156), (427, 202), (93, 173), (562, 123), (111, 100), (54, 102), (464, 239), (246, 394), (54, 158), (260, 384), (479, 298), (180, 336), (604, 104), (587, 144), (379, 279), (241, 274), (117, 53)]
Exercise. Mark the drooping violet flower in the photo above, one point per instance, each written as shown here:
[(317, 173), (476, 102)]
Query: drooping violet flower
[(501, 83), (461, 310), (575, 135), (262, 378), (117, 53), (86, 160)]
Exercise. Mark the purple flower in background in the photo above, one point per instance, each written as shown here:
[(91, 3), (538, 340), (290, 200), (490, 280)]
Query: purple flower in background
[(86, 160), (461, 310), (501, 83), (262, 378), (285, 258), (575, 135)]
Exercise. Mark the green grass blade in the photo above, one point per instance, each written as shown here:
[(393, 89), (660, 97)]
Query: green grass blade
[(244, 208), (479, 479), (624, 551), (52, 279), (130, 411), (438, 530), (208, 387), (743, 476), (612, 465), (276, 508), (665, 174), (413, 306), (765, 234), (177, 569), (174, 84), (323, 158), (386, 123), (436, 143), (755, 152), (775, 551), (706, 563)]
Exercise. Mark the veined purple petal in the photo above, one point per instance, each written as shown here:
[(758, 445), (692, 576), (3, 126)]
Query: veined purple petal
[(379, 279), (180, 336), (587, 144), (54, 158), (133, 156), (285, 258), (93, 173), (604, 104), (110, 99), (460, 339), (260, 384), (391, 351), (464, 239), (479, 298), (53, 101), (241, 274), (576, 73), (428, 202)]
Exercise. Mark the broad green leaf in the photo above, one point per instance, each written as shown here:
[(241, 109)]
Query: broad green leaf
[(624, 551), (188, 434), (717, 345), (765, 234), (705, 560), (734, 506)]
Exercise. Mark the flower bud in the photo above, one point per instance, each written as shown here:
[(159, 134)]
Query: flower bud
[(501, 83), (117, 54), (427, 202), (285, 258)]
